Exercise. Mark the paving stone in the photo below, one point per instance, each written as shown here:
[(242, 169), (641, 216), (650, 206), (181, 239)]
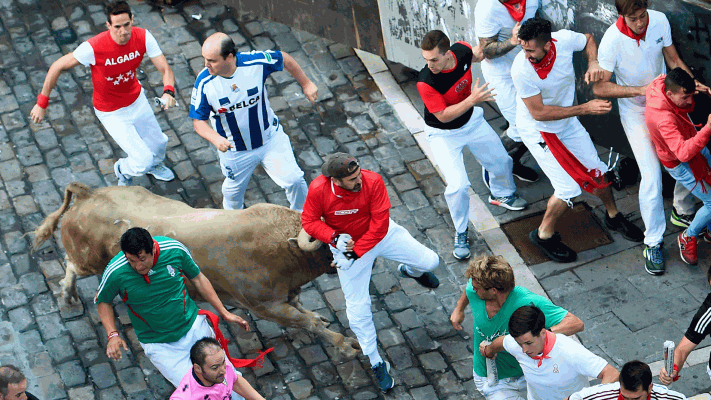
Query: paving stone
[(102, 376), (50, 326), (132, 380), (301, 389), (313, 354), (432, 361), (419, 340), (13, 296), (51, 387), (112, 393), (414, 199), (83, 393), (44, 304), (72, 373), (397, 301), (21, 318), (352, 374), (61, 349)]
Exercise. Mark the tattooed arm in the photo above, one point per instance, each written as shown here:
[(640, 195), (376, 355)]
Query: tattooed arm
[(492, 48)]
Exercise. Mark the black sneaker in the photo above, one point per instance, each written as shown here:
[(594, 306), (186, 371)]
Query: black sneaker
[(382, 374), (627, 229), (682, 220), (524, 173), (553, 247), (427, 279)]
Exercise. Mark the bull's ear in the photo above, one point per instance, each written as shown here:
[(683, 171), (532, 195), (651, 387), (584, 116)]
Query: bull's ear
[(293, 242)]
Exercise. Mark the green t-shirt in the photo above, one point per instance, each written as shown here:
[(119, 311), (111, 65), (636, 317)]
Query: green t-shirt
[(160, 311), (490, 329)]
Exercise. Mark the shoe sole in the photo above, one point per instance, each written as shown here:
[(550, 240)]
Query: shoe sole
[(462, 258), (160, 178), (504, 205), (650, 272), (549, 254), (682, 255), (524, 179), (678, 223)]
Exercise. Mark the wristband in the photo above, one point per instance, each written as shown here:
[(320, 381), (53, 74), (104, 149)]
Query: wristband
[(676, 378), (42, 101), (169, 89), (112, 335)]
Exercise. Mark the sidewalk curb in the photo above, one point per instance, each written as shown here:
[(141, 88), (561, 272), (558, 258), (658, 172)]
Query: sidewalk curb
[(479, 215)]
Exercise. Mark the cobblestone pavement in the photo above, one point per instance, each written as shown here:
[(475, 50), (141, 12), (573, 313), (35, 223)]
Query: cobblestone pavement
[(61, 347)]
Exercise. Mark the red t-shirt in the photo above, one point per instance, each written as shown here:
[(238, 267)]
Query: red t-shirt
[(365, 215), (449, 87), (114, 71)]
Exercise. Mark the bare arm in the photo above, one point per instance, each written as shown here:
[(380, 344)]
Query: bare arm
[(609, 374), (64, 63), (479, 94), (594, 72), (168, 79), (492, 48), (674, 61), (204, 129), (113, 347), (541, 112), (204, 287), (569, 325), (309, 88), (458, 314), (610, 90), (244, 389), (495, 347), (681, 353)]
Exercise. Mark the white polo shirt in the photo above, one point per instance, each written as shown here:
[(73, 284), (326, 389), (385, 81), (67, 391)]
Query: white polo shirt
[(632, 64), (558, 89), (564, 373), (491, 18)]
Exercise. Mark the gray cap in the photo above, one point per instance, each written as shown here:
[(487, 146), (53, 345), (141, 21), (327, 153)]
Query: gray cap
[(339, 165)]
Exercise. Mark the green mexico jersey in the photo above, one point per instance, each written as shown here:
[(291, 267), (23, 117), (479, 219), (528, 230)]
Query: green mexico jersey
[(490, 329), (158, 303)]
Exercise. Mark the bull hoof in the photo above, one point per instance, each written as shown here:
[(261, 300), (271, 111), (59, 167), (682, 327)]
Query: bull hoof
[(350, 348), (70, 296)]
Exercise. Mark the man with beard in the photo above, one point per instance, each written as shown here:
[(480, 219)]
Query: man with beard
[(546, 119), (211, 377), (349, 209)]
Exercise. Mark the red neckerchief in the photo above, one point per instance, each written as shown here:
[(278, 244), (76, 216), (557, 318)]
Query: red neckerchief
[(547, 347), (517, 9), (156, 252), (589, 180), (545, 66), (236, 362), (622, 26), (619, 396), (698, 164)]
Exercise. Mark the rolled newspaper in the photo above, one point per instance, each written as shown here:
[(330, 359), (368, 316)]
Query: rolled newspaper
[(669, 356), (492, 374)]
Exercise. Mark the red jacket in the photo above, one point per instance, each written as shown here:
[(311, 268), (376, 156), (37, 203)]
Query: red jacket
[(365, 215), (672, 132)]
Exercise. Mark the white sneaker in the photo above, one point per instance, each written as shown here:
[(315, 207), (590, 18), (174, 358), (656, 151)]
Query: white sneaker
[(123, 180), (162, 173)]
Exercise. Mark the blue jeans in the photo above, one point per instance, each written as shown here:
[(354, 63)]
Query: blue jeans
[(682, 173)]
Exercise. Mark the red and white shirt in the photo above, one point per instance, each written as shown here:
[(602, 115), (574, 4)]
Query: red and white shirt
[(113, 67), (611, 391), (365, 215)]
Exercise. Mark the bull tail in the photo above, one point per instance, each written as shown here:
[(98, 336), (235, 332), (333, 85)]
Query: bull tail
[(44, 231)]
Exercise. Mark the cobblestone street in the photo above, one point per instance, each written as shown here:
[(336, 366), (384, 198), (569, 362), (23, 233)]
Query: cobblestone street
[(61, 348)]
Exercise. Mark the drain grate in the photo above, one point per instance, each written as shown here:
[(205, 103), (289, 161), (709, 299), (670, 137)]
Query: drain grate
[(579, 228)]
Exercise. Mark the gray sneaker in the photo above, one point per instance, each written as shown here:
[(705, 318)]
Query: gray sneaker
[(513, 202), (461, 246), (123, 180), (162, 173)]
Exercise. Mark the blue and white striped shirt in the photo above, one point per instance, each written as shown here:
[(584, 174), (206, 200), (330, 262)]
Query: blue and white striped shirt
[(238, 105)]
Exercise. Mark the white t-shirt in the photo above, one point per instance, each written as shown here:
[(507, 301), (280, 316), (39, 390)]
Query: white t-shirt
[(491, 18), (610, 391), (565, 372), (636, 65), (558, 89), (85, 53)]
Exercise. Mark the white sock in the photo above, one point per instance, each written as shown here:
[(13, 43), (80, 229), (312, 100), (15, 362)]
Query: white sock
[(409, 271), (375, 358)]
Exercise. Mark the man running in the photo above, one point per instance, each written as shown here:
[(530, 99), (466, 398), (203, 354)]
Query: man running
[(120, 102)]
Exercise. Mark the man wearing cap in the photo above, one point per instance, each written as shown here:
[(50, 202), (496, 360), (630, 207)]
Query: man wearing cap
[(356, 223)]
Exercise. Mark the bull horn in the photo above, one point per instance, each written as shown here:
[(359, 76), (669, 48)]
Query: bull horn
[(306, 242)]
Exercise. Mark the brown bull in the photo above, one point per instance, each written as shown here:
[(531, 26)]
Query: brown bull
[(249, 255)]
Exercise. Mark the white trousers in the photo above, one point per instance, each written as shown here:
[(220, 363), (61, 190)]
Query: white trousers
[(651, 203), (277, 157), (577, 140), (135, 129), (505, 99), (397, 245), (447, 146), (505, 389), (173, 359)]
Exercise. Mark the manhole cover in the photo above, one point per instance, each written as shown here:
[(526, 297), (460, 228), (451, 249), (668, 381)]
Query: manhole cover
[(579, 229)]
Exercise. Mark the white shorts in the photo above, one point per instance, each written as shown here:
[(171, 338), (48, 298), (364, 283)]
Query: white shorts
[(505, 389), (578, 142), (173, 359)]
